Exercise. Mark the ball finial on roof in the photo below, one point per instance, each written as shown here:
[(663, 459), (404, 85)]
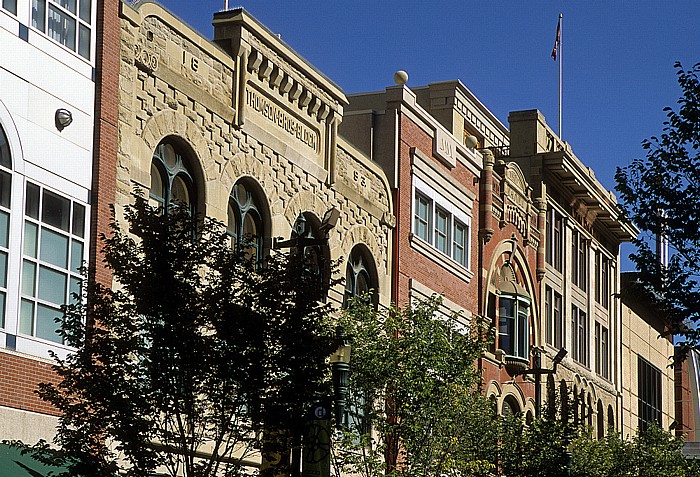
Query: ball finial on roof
[(400, 77)]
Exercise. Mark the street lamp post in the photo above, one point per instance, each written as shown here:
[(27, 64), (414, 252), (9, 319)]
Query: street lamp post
[(340, 367), (537, 370)]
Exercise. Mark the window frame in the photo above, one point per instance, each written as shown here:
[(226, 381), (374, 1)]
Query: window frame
[(435, 204), (169, 174), (579, 260), (579, 335), (602, 350), (81, 23), (249, 208), (520, 324), (650, 399), (554, 312), (554, 239), (75, 232)]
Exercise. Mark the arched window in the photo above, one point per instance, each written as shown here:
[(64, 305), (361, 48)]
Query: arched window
[(360, 276), (245, 223), (510, 406), (171, 181), (600, 418), (611, 417), (513, 315), (5, 196)]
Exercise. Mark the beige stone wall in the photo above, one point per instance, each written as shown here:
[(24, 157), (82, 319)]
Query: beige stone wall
[(641, 339), (162, 94)]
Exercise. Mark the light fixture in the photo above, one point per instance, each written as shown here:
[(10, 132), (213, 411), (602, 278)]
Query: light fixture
[(340, 367), (63, 118)]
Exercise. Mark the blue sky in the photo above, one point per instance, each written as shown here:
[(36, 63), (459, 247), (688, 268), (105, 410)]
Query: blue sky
[(617, 56)]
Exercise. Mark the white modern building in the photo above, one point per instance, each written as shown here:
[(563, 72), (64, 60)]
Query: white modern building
[(47, 103)]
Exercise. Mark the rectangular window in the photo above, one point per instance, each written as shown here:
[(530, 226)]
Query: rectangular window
[(422, 218), (602, 364), (459, 246), (554, 238), (53, 254), (602, 290), (10, 6), (513, 329), (5, 191), (441, 225), (579, 258), (65, 21), (649, 393), (579, 335), (555, 320), (442, 230)]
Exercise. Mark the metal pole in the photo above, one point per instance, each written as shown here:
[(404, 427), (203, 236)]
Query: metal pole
[(561, 60)]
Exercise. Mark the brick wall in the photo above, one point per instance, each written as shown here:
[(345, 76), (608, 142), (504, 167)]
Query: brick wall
[(20, 379)]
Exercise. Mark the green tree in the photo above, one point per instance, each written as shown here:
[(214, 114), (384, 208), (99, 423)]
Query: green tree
[(194, 354), (414, 378), (661, 195)]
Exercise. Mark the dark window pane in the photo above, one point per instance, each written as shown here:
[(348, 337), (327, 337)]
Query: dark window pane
[(84, 41), (78, 220), (39, 14), (10, 6), (46, 325), (56, 211), (5, 189), (69, 5), (32, 206), (85, 10), (61, 27), (5, 159)]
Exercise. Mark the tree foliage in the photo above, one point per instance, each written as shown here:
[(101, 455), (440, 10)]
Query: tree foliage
[(192, 355), (414, 378), (661, 195)]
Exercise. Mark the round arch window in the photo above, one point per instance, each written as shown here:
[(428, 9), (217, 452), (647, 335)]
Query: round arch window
[(360, 276), (245, 222), (172, 184)]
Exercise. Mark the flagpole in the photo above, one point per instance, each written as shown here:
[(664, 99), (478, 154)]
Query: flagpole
[(561, 58)]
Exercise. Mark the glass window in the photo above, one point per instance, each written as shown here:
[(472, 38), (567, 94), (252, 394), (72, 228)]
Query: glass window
[(554, 238), (579, 256), (513, 333), (39, 15), (442, 230), (10, 6), (423, 217), (53, 252), (171, 181), (601, 350), (65, 23), (555, 320), (649, 393), (245, 221), (443, 226), (5, 203), (61, 27), (459, 250), (579, 329), (358, 280)]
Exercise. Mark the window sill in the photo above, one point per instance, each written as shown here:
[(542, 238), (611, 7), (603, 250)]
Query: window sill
[(439, 257)]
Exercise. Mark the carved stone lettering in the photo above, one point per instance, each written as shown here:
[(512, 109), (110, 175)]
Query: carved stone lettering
[(283, 119)]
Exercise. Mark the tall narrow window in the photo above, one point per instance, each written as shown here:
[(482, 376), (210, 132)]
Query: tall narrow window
[(579, 332), (423, 217), (172, 184), (649, 393), (579, 257), (5, 203), (602, 292), (459, 246), (54, 236), (245, 225), (601, 350), (554, 238), (513, 332), (442, 230), (555, 322)]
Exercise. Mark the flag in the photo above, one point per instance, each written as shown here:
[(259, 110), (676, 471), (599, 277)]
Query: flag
[(557, 40)]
